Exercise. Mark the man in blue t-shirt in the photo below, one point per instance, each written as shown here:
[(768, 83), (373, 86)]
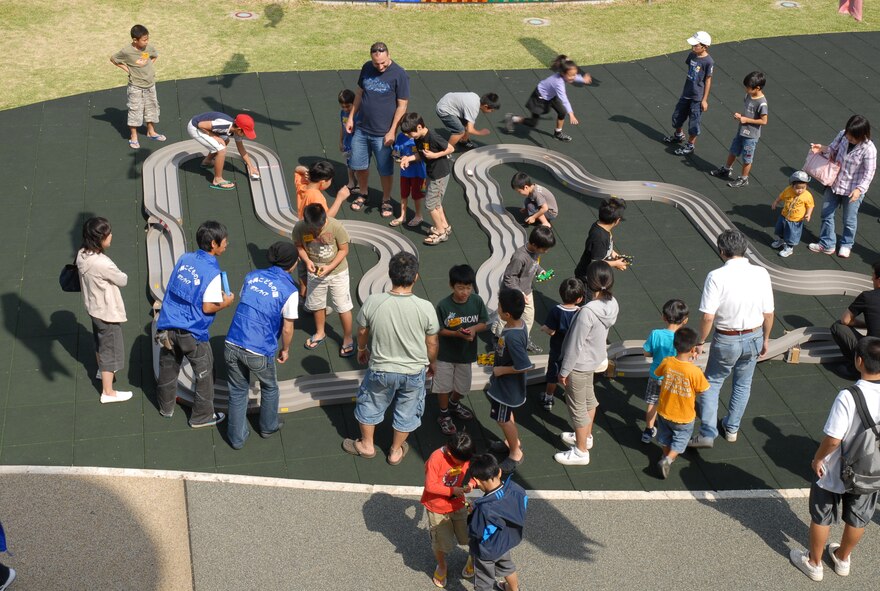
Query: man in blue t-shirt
[(380, 101), (193, 296), (695, 94), (266, 311)]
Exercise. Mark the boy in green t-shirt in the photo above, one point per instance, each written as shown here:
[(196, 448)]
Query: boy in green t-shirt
[(322, 243), (137, 61), (462, 315)]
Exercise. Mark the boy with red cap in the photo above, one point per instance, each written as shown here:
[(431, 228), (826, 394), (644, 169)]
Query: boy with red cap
[(214, 130)]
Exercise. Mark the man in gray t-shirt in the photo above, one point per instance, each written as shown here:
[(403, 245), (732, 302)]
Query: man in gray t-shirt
[(753, 117), (402, 330), (459, 111)]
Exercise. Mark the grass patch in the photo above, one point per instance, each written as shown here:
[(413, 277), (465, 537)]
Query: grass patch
[(54, 48)]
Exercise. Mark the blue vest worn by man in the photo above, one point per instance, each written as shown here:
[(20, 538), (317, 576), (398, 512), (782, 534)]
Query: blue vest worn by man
[(256, 325), (182, 306)]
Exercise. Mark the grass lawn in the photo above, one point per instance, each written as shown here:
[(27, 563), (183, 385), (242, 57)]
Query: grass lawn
[(55, 48)]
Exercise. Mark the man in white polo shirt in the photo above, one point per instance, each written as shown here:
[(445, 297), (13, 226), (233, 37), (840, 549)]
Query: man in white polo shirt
[(738, 301)]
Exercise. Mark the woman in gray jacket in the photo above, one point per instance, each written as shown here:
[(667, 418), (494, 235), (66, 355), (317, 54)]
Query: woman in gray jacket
[(101, 279), (583, 354)]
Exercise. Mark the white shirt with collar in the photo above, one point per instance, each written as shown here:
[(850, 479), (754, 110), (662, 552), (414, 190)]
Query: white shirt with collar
[(738, 295)]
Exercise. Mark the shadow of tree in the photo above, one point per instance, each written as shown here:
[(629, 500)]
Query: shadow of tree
[(234, 67), (273, 13)]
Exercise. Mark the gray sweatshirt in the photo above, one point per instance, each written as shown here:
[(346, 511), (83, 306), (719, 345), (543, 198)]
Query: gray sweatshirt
[(584, 348)]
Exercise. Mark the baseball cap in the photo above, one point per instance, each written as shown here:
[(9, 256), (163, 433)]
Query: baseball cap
[(799, 176), (701, 37), (246, 123)]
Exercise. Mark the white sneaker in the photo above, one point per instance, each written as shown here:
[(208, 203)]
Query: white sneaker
[(816, 247), (841, 567), (120, 397), (786, 252), (8, 580), (778, 243), (572, 457), (801, 559), (569, 439), (844, 251)]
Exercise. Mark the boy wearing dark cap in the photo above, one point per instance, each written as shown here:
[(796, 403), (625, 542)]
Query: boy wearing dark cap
[(266, 310)]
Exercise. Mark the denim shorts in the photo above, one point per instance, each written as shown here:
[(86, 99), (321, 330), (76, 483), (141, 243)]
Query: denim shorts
[(674, 435), (380, 389), (744, 147), (453, 123), (789, 231), (363, 145)]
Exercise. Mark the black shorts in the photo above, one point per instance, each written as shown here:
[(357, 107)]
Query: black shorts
[(825, 507), (500, 413), (538, 106)]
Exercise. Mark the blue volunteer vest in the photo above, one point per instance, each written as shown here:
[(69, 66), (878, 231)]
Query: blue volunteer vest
[(182, 306), (256, 325)]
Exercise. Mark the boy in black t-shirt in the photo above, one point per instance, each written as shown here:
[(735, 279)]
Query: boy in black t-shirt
[(695, 94), (434, 151), (600, 244)]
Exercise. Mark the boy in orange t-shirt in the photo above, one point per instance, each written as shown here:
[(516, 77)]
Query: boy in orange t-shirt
[(682, 383), (310, 185), (443, 498)]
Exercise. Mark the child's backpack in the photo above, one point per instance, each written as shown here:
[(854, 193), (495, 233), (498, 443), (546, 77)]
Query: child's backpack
[(860, 462)]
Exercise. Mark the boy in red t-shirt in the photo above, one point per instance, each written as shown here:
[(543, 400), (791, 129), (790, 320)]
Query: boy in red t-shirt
[(445, 487)]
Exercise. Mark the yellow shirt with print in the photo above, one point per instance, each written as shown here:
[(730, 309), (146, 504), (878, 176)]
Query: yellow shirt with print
[(794, 207), (682, 382)]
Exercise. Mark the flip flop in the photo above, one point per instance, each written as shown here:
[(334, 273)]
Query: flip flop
[(349, 446), (395, 222), (311, 343), (158, 137), (224, 186), (415, 222), (346, 350), (134, 144), (358, 203), (404, 448), (437, 579)]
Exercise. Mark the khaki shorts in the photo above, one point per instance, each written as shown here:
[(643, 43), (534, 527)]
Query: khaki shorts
[(580, 397), (434, 192), (143, 105), (451, 377), (337, 285), (448, 530)]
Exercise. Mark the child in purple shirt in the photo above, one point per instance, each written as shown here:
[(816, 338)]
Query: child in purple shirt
[(551, 93)]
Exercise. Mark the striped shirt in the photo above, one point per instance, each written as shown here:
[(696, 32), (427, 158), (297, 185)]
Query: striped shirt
[(856, 167)]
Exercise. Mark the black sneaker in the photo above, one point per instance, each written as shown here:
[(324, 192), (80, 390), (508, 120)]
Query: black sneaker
[(268, 434), (561, 136), (675, 138), (686, 149), (742, 181), (461, 412), (547, 401), (467, 145), (721, 173)]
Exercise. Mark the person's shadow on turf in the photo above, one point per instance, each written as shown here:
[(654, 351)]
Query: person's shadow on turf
[(118, 118)]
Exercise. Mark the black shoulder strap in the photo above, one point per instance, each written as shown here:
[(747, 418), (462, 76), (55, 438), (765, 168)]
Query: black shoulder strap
[(862, 408)]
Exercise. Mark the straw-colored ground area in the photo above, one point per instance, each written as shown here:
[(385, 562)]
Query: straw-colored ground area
[(55, 48)]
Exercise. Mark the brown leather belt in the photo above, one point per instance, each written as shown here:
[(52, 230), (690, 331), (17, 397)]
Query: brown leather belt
[(733, 333)]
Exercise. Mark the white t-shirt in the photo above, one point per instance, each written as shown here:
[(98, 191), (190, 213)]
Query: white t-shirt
[(214, 293), (738, 295), (290, 311), (840, 425)]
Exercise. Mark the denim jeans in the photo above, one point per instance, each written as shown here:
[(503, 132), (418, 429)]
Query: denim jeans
[(789, 231), (201, 359), (688, 110), (240, 366), (737, 354), (849, 215), (381, 389)]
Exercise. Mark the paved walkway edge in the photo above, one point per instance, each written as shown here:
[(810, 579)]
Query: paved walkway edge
[(320, 485)]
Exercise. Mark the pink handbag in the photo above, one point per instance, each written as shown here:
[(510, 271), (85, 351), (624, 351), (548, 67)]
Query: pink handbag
[(821, 168)]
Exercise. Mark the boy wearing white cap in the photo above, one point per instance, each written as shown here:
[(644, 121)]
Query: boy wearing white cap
[(695, 95)]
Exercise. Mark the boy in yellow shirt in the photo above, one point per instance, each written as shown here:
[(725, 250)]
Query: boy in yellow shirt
[(682, 383), (797, 207)]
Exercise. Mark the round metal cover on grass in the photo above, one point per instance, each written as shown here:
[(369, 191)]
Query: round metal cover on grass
[(537, 22), (788, 4), (244, 15)]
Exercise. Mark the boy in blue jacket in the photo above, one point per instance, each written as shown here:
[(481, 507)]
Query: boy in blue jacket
[(495, 526)]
